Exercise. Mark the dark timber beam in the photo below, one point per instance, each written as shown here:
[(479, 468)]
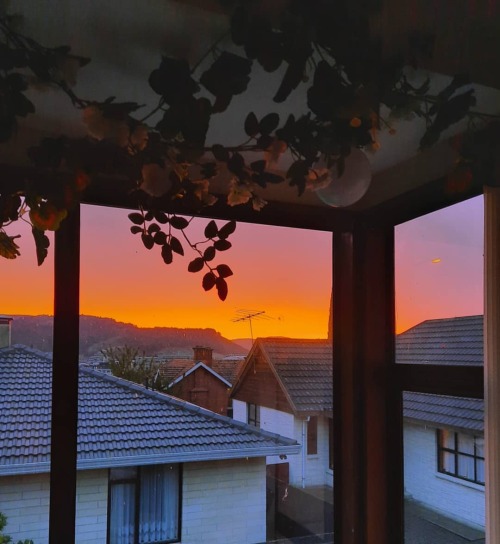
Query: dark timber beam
[(368, 460), (455, 380), (65, 381)]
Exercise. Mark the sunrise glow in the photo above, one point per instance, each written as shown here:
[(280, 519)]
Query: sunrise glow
[(284, 272)]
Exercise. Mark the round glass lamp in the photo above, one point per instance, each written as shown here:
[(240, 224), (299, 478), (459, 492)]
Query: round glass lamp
[(351, 185)]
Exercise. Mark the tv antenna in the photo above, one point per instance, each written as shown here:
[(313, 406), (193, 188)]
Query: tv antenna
[(249, 315)]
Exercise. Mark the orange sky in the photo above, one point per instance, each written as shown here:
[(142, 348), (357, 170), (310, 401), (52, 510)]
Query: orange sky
[(285, 272)]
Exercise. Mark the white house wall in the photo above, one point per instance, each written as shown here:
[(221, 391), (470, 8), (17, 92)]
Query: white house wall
[(239, 410), (25, 502), (222, 501), (317, 471), (461, 500)]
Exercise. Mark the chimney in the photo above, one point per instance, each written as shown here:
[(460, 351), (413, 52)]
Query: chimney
[(203, 354), (5, 331)]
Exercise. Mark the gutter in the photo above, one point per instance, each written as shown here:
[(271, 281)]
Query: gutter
[(155, 459)]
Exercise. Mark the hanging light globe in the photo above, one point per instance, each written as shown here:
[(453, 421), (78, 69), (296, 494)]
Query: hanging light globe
[(351, 185)]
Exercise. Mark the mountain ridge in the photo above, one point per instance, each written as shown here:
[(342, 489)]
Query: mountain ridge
[(97, 333)]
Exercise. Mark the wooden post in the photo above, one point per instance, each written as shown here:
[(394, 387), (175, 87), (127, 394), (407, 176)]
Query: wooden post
[(492, 361), (65, 381), (368, 457)]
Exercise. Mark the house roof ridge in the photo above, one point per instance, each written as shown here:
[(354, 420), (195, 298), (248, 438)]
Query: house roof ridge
[(442, 320)]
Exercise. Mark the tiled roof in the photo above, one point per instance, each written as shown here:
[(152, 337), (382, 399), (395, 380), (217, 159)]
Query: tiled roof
[(304, 369), (452, 341), (449, 341), (120, 423), (440, 411), (228, 368), (170, 370)]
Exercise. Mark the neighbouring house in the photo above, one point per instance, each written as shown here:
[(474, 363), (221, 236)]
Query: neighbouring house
[(444, 435), (285, 386), (151, 468), (203, 380)]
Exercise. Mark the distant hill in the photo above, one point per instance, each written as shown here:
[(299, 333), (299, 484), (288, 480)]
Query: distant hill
[(97, 333), (245, 343)]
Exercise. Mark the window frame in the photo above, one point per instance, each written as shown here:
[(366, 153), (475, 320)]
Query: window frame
[(253, 419), (354, 240), (455, 451), (312, 436), (136, 480), (330, 443)]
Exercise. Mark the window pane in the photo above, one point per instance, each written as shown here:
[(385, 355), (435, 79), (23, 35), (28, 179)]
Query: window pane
[(444, 495), (448, 462), (466, 443), (26, 333), (122, 514), (465, 467), (448, 439), (439, 321), (160, 329), (479, 446), (159, 504)]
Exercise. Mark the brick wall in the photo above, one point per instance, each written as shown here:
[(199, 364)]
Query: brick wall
[(456, 498), (25, 501), (224, 502)]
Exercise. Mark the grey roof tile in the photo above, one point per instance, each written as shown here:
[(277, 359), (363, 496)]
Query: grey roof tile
[(117, 420), (444, 411), (450, 341)]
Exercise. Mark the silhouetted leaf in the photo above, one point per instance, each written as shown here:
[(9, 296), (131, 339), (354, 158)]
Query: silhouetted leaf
[(178, 222), (176, 245), (135, 229), (147, 240), (211, 230), (153, 228), (293, 76), (161, 217), (236, 163), (42, 243), (160, 238), (173, 80), (166, 254), (221, 285), (209, 280), (269, 177), (209, 254), (251, 124), (227, 229), (224, 271), (9, 249), (196, 265), (136, 218), (220, 153), (268, 123), (222, 245), (258, 166), (228, 75)]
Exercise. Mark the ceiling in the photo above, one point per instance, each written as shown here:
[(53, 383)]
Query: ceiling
[(125, 41)]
